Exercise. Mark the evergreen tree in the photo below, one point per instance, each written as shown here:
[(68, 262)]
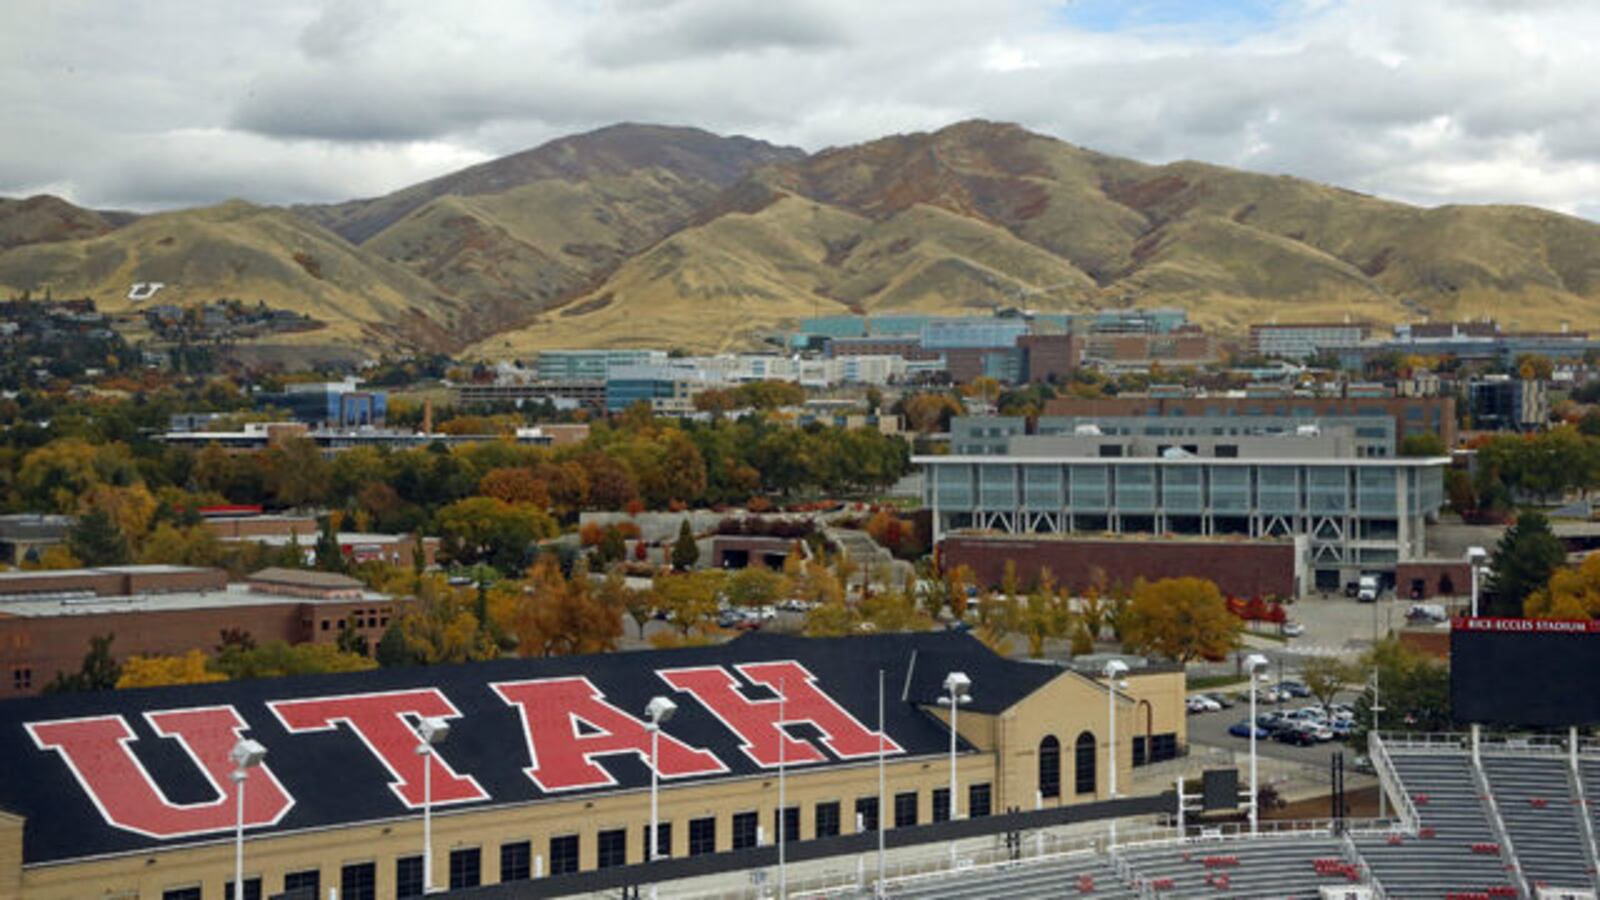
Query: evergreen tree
[(1525, 558), (95, 540), (99, 671), (393, 650), (330, 556), (685, 552)]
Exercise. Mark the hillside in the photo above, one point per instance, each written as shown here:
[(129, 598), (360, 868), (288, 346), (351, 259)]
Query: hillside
[(46, 220), (246, 252), (979, 213), (652, 235)]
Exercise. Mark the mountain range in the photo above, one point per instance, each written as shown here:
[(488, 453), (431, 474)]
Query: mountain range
[(644, 235)]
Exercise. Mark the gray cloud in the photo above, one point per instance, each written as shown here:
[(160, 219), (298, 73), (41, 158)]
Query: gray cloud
[(151, 104)]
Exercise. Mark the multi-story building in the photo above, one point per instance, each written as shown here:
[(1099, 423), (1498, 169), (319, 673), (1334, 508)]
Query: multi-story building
[(547, 768), (1411, 415), (591, 365), (1503, 403), (567, 393), (48, 618), (1355, 513), (1305, 340), (667, 390), (333, 404)]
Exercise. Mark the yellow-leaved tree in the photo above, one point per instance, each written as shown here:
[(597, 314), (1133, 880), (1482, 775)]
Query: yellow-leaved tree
[(1181, 619), (156, 671), (1572, 593)]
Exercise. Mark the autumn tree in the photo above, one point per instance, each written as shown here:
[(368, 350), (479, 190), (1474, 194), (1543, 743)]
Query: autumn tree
[(755, 585), (514, 485), (439, 625), (689, 600), (1326, 676), (158, 671), (1182, 619), (1573, 592), (1042, 615), (485, 529)]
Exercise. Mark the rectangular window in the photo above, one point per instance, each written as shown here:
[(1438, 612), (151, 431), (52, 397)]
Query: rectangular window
[(866, 814), (791, 824), (564, 854), (828, 819), (941, 804), (408, 877), (358, 881), (663, 839), (979, 801), (611, 848), (188, 893), (905, 809), (702, 836), (308, 880), (745, 826), (466, 868), (22, 678), (252, 889), (516, 861), (1110, 450)]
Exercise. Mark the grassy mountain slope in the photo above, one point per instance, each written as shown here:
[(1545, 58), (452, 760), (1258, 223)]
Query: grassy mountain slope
[(45, 219), (979, 213), (690, 153), (246, 252)]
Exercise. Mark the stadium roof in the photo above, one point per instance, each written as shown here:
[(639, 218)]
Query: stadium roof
[(86, 790)]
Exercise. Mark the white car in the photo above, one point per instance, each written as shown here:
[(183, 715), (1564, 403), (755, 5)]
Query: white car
[(1200, 703), (1293, 629)]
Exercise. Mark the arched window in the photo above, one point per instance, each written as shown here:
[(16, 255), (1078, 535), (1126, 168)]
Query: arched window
[(1050, 767), (1085, 763)]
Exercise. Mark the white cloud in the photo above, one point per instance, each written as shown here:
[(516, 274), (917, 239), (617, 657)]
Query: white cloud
[(152, 104)]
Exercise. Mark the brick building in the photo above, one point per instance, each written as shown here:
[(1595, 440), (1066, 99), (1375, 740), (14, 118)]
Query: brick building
[(48, 618), (1240, 568)]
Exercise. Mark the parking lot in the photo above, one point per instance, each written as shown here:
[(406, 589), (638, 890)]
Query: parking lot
[(1211, 729)]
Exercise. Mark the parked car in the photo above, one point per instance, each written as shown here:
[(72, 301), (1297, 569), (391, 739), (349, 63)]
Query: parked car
[(1295, 688), (1201, 704), (1223, 701), (1293, 629), (1242, 728), (1296, 734)]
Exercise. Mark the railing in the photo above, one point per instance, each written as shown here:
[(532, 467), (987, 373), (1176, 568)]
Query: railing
[(1508, 852), (1425, 740), (1585, 820), (1347, 846), (1378, 752)]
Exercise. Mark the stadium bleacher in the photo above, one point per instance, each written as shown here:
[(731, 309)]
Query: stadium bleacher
[(1456, 849), (1536, 799)]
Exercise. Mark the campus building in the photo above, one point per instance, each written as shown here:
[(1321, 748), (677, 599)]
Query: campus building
[(1354, 513), (1300, 341), (1410, 415), (546, 769), (47, 619)]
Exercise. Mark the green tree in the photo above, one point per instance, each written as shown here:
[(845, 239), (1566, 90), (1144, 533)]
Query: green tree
[(393, 650), (1326, 676), (95, 540), (1413, 691), (685, 552), (1523, 561), (330, 556), (99, 672), (1422, 444)]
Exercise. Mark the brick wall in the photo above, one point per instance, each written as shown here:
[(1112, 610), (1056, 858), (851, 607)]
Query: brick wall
[(1240, 569)]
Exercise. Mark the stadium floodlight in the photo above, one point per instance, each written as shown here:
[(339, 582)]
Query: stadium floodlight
[(957, 690), (1475, 562), (659, 710), (430, 731), (1253, 663), (1114, 669), (246, 755)]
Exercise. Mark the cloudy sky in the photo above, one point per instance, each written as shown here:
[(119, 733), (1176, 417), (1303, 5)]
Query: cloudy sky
[(148, 104)]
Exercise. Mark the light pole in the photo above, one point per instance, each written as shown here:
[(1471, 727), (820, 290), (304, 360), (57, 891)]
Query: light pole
[(659, 710), (957, 690), (1475, 558), (1252, 664), (1114, 669), (431, 730), (246, 755)]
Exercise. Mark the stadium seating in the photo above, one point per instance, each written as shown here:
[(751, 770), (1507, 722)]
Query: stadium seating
[(1534, 795), (1077, 875), (1455, 851), (1271, 866)]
